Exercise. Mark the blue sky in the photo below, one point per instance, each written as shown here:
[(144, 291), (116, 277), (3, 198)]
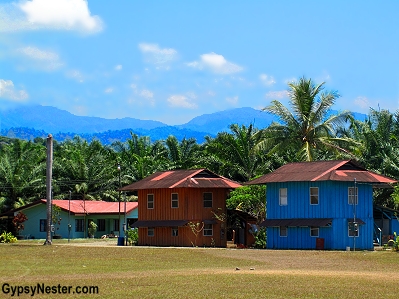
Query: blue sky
[(174, 60)]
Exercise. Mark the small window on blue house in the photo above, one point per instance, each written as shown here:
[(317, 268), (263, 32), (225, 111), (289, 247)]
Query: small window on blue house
[(352, 195), (101, 225), (116, 224), (314, 231), (353, 229), (43, 224), (314, 195), (283, 197), (79, 225), (283, 231)]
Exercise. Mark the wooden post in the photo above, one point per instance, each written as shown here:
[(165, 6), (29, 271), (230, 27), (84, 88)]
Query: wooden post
[(49, 174)]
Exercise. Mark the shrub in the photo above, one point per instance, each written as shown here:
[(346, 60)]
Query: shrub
[(133, 236), (18, 222), (260, 238), (7, 238), (394, 242)]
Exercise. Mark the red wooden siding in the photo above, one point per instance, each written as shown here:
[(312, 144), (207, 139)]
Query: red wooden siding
[(190, 209)]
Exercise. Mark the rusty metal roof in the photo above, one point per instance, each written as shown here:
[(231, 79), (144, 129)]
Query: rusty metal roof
[(337, 170), (94, 207), (193, 178)]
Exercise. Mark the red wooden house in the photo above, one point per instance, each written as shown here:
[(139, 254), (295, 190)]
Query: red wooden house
[(182, 208)]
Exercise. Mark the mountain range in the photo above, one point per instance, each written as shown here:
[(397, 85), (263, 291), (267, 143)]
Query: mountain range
[(29, 122)]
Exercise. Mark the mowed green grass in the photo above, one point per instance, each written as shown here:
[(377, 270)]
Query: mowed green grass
[(150, 272)]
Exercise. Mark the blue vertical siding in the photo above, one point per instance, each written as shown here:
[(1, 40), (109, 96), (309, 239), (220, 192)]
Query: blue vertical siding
[(333, 203), (297, 238)]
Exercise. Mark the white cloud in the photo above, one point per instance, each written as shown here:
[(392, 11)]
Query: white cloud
[(118, 67), (49, 14), (41, 59), (276, 94), (109, 90), (362, 102), (267, 80), (76, 75), (233, 101), (155, 54), (8, 91), (290, 80), (181, 101), (216, 63), (145, 93)]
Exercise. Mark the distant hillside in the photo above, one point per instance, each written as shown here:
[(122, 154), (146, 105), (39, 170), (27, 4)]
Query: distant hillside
[(38, 121), (54, 120), (220, 121), (108, 137)]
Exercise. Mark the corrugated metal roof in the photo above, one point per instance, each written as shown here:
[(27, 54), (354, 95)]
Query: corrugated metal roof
[(337, 170), (193, 178), (297, 222), (94, 207), (159, 223)]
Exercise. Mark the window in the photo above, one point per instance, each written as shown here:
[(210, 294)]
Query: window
[(116, 224), (283, 197), (353, 229), (43, 225), (207, 200), (101, 225), (150, 201), (283, 231), (208, 230), (314, 231), (175, 200), (79, 225), (352, 195), (175, 231), (314, 195), (150, 232)]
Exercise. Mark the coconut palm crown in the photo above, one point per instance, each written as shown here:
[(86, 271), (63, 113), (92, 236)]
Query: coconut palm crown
[(308, 127)]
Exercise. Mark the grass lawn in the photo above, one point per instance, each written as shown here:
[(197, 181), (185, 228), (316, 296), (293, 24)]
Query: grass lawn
[(149, 272)]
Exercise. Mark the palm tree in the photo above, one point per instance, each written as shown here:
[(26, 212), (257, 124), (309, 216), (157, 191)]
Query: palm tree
[(235, 154), (182, 155), (139, 157), (377, 147), (308, 127), (22, 173), (84, 168)]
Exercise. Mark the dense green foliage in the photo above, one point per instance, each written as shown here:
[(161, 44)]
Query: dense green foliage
[(307, 131)]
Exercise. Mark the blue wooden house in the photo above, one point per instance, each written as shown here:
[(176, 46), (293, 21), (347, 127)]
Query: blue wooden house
[(109, 217), (320, 205)]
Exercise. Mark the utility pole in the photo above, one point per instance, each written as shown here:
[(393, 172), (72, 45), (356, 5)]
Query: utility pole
[(355, 226), (49, 174), (119, 200), (69, 216)]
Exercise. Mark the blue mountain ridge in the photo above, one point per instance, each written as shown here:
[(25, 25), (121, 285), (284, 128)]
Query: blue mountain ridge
[(29, 122)]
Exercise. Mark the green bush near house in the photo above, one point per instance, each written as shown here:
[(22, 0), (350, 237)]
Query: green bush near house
[(133, 236), (7, 238)]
